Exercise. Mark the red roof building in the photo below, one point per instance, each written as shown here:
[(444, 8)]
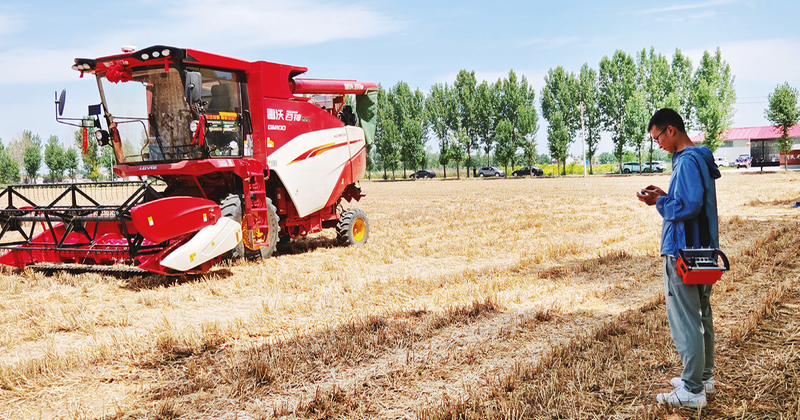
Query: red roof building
[(759, 143)]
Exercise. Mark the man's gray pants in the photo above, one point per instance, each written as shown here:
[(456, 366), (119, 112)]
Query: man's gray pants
[(689, 315)]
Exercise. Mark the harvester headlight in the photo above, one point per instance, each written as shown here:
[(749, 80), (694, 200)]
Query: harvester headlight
[(193, 125), (75, 67), (85, 66), (145, 56), (165, 53), (102, 137), (156, 54)]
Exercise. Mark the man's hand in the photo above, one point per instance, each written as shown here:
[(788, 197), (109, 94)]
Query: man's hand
[(649, 195)]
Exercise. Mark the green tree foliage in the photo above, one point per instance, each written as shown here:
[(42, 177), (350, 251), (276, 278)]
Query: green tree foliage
[(9, 168), (713, 96), (71, 162), (408, 113), (387, 136), (561, 94), (54, 159), (607, 157), (588, 96), (91, 158), (441, 116), (558, 139), (32, 161), (16, 149), (466, 93), (517, 106), (616, 85), (455, 151), (487, 100), (506, 148), (680, 90), (636, 118), (783, 113)]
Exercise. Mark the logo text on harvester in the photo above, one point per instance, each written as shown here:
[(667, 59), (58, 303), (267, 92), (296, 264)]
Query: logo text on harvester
[(276, 127), (283, 115)]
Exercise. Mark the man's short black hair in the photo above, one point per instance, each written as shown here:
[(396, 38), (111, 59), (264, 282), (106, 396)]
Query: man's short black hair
[(664, 117)]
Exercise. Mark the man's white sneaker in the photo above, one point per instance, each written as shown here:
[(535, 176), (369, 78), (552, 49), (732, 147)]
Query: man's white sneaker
[(681, 397), (708, 385)]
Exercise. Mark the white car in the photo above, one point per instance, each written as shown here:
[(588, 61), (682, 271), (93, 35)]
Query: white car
[(722, 161)]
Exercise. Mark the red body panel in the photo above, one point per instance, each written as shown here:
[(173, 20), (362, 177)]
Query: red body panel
[(171, 217)]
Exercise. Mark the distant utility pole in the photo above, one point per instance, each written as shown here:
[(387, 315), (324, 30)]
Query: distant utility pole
[(583, 139)]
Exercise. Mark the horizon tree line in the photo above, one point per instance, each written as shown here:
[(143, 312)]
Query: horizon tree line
[(501, 117)]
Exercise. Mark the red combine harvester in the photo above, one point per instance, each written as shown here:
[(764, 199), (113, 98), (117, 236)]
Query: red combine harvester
[(249, 155)]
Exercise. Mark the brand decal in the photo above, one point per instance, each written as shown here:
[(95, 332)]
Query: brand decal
[(147, 168), (276, 127), (283, 115)]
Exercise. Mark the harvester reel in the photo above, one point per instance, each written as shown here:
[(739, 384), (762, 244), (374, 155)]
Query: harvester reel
[(353, 227), (232, 207)]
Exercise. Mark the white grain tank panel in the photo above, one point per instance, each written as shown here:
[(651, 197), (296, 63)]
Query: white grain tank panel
[(357, 143), (309, 166)]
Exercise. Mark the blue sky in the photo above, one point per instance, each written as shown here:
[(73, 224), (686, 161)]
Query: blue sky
[(419, 42)]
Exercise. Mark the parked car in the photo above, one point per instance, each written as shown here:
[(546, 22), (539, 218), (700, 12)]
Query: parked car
[(629, 167), (656, 165), (491, 171), (423, 173), (526, 171), (743, 161), (722, 161)]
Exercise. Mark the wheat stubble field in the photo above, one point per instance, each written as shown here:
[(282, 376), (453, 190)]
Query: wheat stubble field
[(510, 298)]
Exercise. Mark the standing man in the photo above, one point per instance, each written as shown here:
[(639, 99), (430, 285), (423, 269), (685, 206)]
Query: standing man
[(689, 210)]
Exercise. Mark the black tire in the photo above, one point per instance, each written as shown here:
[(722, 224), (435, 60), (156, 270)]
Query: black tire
[(353, 227), (626, 171), (498, 175), (481, 175), (232, 207)]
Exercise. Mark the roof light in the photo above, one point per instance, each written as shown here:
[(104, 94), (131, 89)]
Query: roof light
[(75, 67), (165, 53), (145, 56), (156, 54)]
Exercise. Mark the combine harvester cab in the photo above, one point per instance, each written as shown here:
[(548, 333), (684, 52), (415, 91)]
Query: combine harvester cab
[(243, 154)]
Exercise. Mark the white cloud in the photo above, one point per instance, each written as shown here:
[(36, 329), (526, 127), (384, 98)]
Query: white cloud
[(681, 7), (553, 42), (273, 23), (770, 61), (227, 28)]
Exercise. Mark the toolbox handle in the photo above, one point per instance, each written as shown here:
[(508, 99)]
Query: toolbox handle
[(717, 251), (714, 251)]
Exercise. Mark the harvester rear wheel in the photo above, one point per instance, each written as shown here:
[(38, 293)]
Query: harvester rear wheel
[(353, 227), (232, 207)]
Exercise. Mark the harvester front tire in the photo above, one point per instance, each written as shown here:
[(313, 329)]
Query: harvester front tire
[(272, 235), (353, 227), (232, 207)]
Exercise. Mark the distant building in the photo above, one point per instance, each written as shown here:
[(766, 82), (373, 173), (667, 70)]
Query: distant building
[(759, 143)]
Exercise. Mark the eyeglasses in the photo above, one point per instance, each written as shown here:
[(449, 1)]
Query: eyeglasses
[(659, 134)]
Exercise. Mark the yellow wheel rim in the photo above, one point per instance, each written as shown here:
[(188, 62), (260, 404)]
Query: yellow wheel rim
[(359, 230)]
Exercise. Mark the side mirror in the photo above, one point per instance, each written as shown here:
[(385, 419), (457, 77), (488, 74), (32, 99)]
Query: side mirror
[(194, 86), (247, 122), (61, 100)]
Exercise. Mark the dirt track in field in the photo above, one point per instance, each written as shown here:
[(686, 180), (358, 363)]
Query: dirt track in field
[(461, 283)]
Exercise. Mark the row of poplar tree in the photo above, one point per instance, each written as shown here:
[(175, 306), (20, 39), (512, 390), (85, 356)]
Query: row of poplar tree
[(618, 98), (24, 156)]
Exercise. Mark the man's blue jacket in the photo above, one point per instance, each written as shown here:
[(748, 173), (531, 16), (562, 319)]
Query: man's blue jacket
[(690, 207)]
